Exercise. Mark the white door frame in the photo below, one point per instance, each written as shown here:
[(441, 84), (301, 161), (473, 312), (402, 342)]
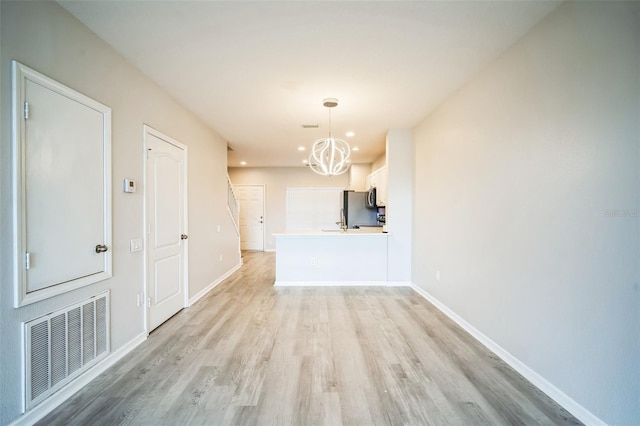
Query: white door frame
[(264, 212), (148, 130)]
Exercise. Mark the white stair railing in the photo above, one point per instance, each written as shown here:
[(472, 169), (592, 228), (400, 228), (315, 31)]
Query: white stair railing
[(233, 206)]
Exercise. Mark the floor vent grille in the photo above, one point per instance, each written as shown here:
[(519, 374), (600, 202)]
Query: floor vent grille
[(63, 344)]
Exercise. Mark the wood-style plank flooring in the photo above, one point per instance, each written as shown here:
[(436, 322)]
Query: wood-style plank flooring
[(252, 354)]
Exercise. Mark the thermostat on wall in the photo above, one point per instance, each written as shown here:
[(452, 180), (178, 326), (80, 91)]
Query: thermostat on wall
[(129, 185)]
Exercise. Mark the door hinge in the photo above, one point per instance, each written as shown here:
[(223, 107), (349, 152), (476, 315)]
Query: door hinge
[(148, 152), (148, 302), (27, 260), (26, 110)]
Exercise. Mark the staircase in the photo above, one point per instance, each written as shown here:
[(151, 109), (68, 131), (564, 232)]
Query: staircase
[(233, 206)]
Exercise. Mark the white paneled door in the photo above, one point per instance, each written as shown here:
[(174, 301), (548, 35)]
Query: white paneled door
[(251, 199), (166, 227), (63, 193)]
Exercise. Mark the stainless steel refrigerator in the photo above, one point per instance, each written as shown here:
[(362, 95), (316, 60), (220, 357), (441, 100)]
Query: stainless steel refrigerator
[(356, 212)]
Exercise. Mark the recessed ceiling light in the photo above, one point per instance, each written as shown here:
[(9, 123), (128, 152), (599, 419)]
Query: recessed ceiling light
[(350, 134), (243, 163), (355, 148), (301, 148)]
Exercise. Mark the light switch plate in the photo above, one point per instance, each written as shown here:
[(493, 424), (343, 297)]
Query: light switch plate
[(129, 185), (135, 245)]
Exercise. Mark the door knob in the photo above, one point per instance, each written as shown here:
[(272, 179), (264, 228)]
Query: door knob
[(184, 236), (101, 248)]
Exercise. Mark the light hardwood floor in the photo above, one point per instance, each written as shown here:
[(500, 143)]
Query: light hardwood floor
[(252, 354)]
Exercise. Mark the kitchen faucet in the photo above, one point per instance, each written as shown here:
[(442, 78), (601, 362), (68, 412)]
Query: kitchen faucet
[(343, 221)]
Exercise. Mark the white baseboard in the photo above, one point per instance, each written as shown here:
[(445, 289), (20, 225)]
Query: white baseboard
[(49, 404), (211, 286), (399, 284), (341, 284), (569, 404)]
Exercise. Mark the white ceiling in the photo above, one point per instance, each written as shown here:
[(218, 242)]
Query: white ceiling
[(256, 71)]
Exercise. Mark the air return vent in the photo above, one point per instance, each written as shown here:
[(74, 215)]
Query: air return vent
[(63, 344)]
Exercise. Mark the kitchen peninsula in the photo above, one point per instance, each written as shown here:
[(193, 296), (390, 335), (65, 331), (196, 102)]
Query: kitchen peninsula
[(354, 257)]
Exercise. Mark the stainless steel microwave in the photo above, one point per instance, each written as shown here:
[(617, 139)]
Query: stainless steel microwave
[(370, 200)]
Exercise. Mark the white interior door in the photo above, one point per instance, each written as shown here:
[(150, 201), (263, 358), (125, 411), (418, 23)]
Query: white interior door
[(63, 176), (166, 226), (251, 199)]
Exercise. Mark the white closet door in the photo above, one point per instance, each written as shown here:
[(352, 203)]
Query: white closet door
[(166, 206), (65, 208)]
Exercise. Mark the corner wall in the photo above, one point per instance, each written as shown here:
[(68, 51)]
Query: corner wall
[(527, 202), (43, 36), (399, 159)]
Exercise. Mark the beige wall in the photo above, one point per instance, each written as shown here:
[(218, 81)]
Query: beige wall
[(43, 36), (276, 181), (399, 159), (358, 176), (527, 202), (379, 162)]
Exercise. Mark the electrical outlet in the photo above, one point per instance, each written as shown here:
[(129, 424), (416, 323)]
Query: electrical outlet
[(220, 257), (219, 228), (313, 261), (138, 300), (438, 275)]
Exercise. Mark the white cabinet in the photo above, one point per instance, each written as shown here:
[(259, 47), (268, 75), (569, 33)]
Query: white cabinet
[(379, 180), (382, 186)]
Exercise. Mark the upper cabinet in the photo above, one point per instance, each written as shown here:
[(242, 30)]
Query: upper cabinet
[(380, 181)]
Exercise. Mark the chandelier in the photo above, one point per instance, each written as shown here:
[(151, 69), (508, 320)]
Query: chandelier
[(330, 156)]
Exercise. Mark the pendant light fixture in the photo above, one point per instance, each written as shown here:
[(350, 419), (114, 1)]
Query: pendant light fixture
[(330, 156)]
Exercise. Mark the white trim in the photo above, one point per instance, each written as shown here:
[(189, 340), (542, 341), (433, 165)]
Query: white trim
[(148, 130), (145, 234), (51, 403), (399, 284), (341, 284), (233, 221), (20, 74), (568, 403), (270, 250), (213, 285)]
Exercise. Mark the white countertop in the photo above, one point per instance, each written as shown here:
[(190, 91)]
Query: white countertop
[(333, 232)]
